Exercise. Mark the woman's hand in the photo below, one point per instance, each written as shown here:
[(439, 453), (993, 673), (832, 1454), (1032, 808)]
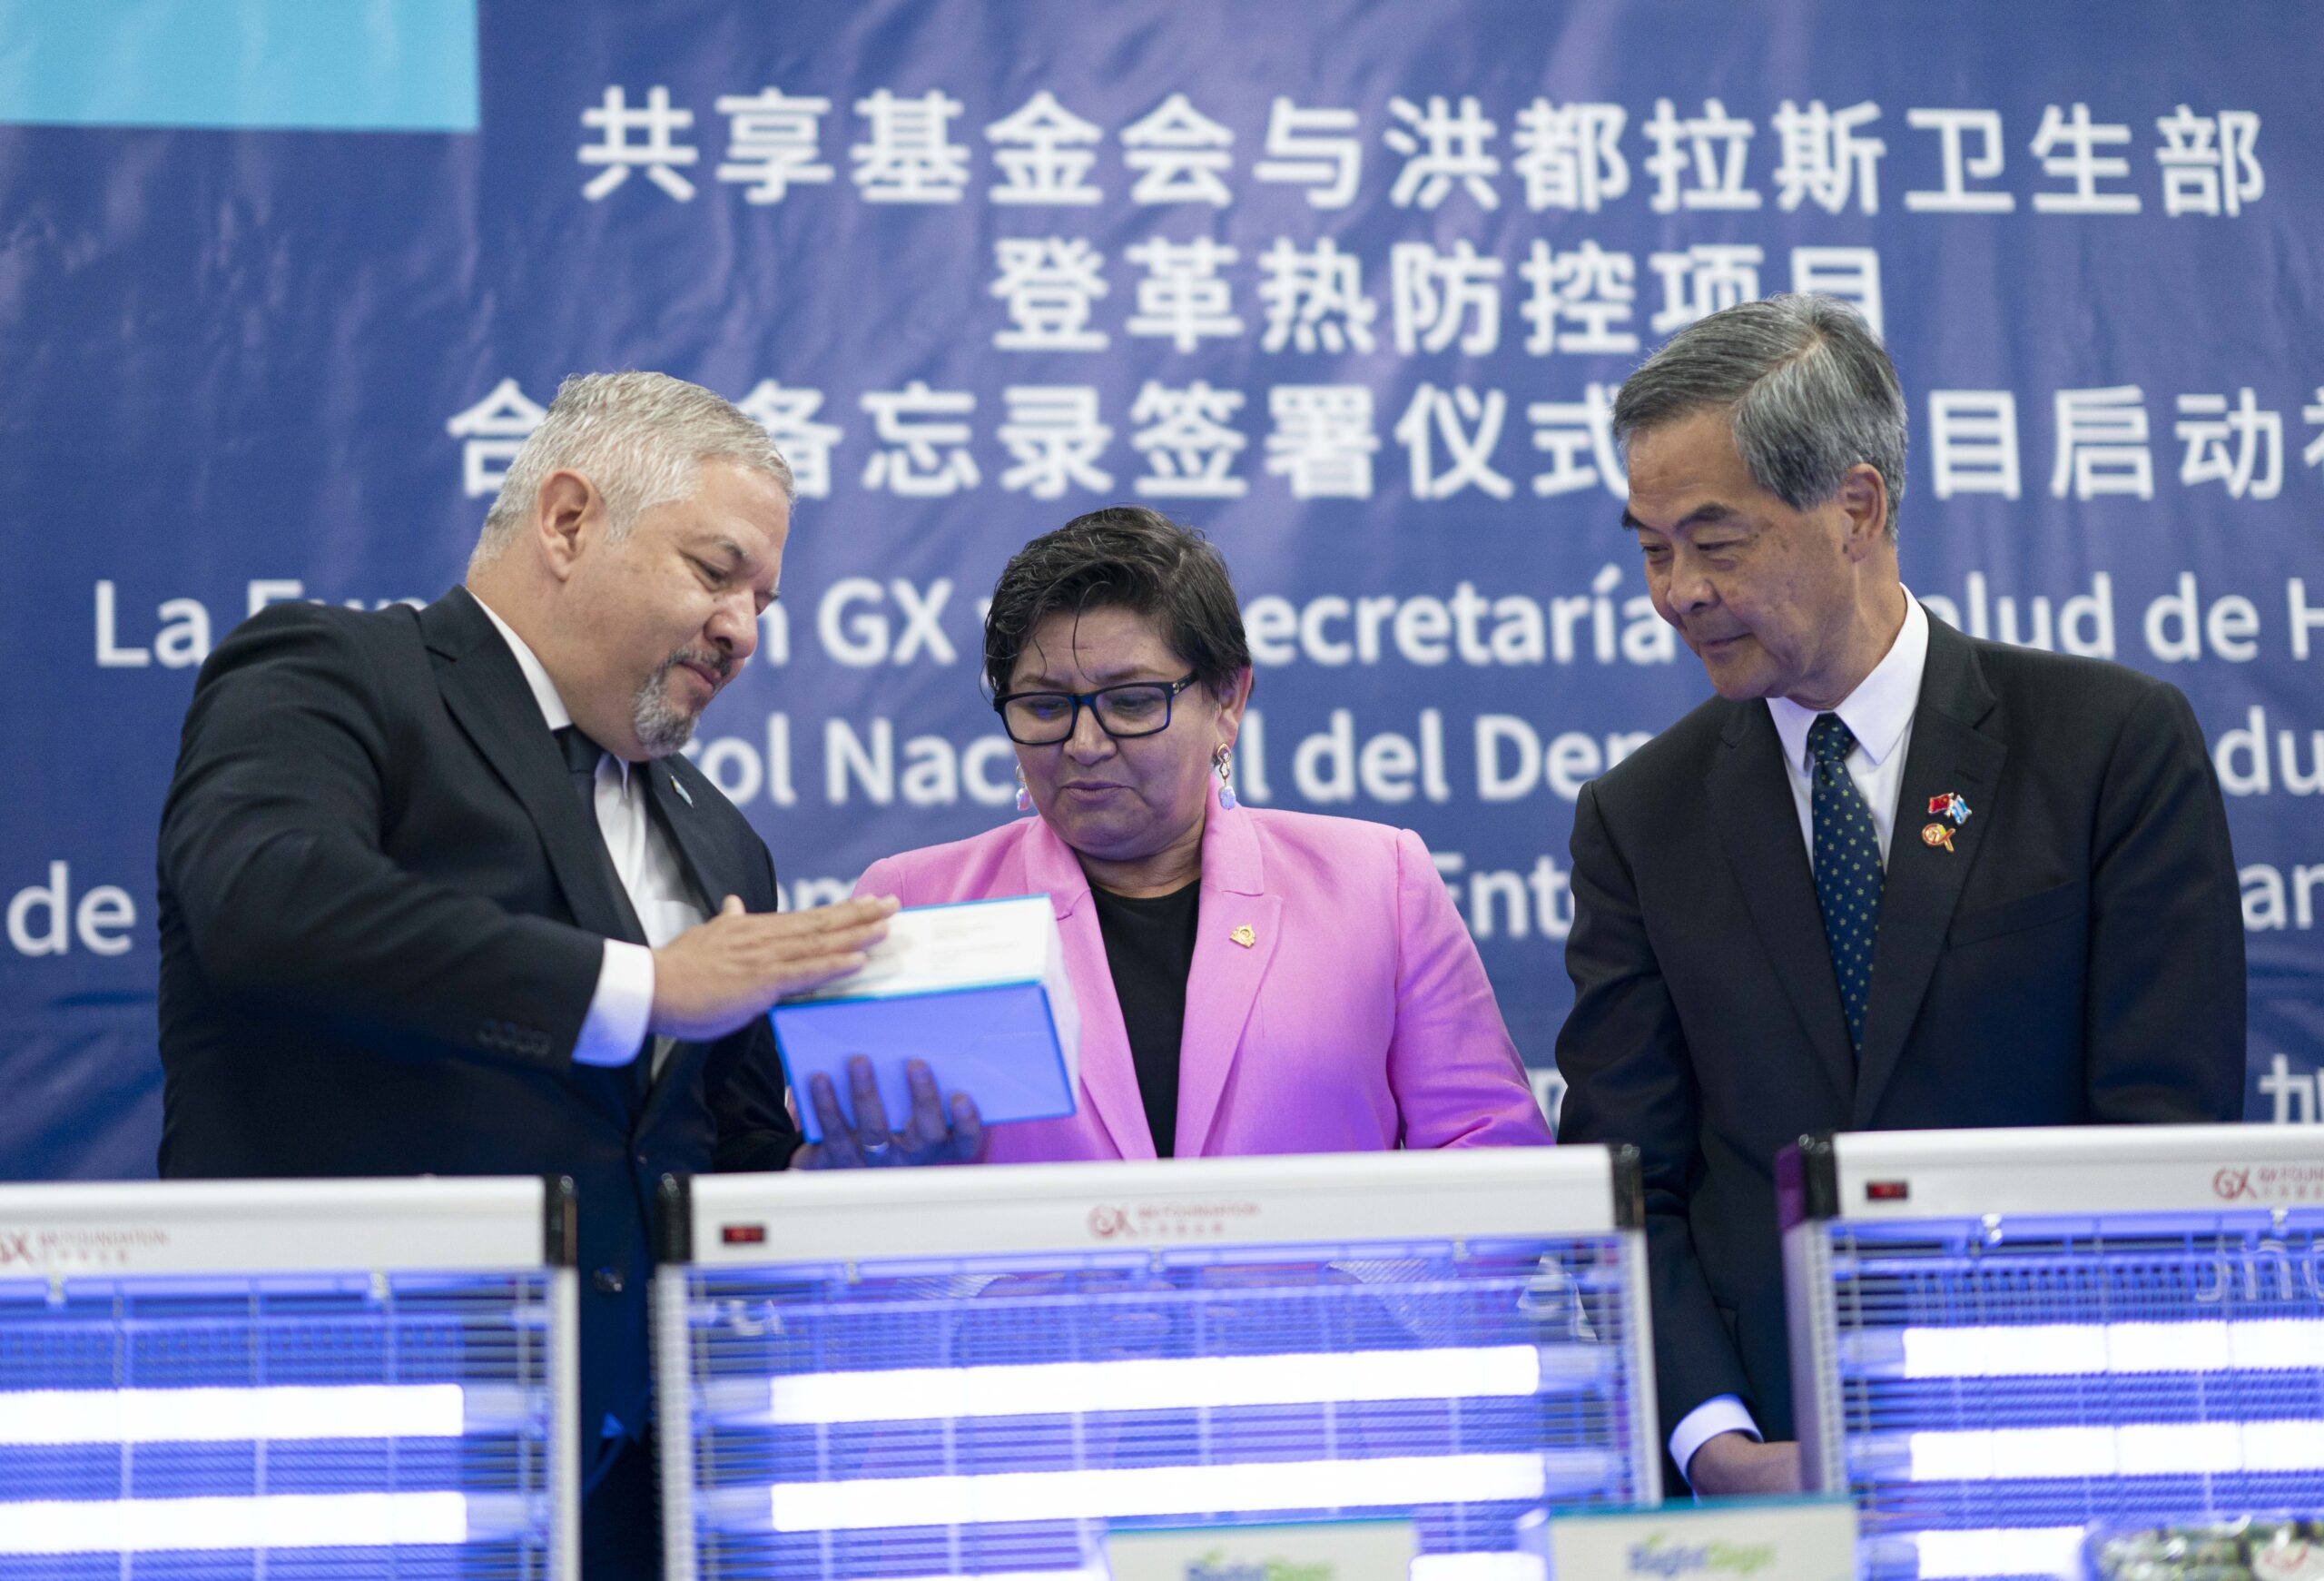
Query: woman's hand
[(927, 1138)]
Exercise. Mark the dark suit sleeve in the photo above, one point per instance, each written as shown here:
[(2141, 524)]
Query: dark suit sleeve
[(756, 1131), (271, 844), (2166, 1007), (1630, 1078)]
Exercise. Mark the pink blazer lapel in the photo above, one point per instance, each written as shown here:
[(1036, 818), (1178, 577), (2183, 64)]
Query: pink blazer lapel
[(1237, 940), (1109, 1076)]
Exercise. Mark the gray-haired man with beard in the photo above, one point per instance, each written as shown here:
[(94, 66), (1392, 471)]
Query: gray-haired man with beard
[(438, 897)]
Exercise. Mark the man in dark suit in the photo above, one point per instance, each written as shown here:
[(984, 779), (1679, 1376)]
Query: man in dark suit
[(439, 896), (1889, 878)]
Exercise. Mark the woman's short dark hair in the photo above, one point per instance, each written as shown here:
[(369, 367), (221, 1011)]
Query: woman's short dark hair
[(1122, 556)]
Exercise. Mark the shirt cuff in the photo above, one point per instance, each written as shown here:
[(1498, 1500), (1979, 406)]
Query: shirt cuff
[(1720, 1414), (614, 1028)]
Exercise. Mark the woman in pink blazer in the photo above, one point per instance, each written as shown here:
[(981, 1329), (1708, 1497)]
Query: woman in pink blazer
[(1250, 981)]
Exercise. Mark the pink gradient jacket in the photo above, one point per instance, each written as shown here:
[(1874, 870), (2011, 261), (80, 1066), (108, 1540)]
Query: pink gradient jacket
[(1358, 1018)]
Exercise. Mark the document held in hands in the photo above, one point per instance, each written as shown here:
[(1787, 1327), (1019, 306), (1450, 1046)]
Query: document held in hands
[(977, 990)]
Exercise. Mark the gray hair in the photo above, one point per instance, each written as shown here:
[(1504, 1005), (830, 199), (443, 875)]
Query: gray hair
[(1810, 390), (640, 438)]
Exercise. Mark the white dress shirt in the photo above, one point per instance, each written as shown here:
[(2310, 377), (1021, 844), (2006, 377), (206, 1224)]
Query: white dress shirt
[(650, 871), (1879, 715)]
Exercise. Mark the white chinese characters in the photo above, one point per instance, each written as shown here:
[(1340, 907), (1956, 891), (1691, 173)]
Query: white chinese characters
[(1576, 157)]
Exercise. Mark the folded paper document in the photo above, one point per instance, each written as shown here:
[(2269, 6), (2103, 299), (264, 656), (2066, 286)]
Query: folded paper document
[(977, 990)]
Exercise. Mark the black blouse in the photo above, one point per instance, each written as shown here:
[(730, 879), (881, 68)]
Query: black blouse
[(1149, 949)]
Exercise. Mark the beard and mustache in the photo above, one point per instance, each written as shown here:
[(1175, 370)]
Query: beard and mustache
[(664, 724)]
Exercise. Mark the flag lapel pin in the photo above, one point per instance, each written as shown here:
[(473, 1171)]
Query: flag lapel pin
[(1950, 804)]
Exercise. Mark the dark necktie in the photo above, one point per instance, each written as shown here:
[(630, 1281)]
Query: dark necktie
[(581, 755), (1848, 867)]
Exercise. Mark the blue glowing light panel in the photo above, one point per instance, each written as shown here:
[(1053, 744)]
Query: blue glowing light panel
[(282, 1380), (888, 1377), (2001, 1338)]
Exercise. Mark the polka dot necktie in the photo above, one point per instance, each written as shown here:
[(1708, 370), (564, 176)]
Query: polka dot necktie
[(1847, 868)]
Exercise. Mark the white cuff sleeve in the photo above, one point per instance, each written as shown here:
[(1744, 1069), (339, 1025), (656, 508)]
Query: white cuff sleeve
[(614, 1028), (1720, 1414)]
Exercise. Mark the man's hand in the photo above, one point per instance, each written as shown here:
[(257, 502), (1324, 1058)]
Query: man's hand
[(1737, 1463), (927, 1139), (712, 979)]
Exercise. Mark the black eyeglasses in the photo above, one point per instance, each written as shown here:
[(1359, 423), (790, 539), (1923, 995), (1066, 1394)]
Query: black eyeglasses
[(1131, 709)]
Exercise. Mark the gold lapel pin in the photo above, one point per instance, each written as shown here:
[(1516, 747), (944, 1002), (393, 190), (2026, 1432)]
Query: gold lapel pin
[(1245, 935), (1937, 834)]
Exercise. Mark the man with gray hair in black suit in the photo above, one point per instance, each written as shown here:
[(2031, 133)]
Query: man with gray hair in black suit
[(1891, 877), (441, 896)]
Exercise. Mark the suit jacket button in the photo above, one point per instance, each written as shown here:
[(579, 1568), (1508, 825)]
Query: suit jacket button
[(608, 1281)]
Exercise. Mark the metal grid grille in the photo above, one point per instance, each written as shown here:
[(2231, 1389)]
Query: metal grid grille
[(984, 1415), (2002, 1383), (413, 1408)]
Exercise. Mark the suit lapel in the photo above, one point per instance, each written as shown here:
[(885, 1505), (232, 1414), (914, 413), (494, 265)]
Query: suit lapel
[(710, 867), (1758, 825), (1224, 980), (486, 694), (1923, 882), (1108, 1075)]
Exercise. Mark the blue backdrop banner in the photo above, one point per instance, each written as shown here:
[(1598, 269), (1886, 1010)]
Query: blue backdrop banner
[(1348, 285)]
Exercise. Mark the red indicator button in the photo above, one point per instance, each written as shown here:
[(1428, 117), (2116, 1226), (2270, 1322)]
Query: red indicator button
[(1888, 1191), (743, 1234)]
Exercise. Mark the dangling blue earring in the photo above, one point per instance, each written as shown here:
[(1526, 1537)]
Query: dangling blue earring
[(1024, 796), (1223, 760)]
